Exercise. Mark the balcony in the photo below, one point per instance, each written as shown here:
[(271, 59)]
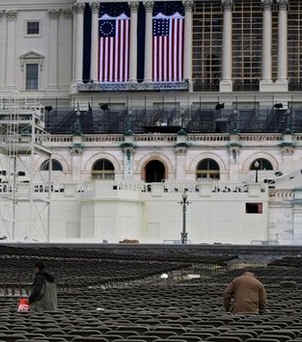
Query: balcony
[(130, 86)]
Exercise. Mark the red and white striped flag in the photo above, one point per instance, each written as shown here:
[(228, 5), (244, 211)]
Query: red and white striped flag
[(114, 48), (168, 38)]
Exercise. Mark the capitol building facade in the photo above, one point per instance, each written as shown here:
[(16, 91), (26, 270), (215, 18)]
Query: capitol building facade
[(110, 111)]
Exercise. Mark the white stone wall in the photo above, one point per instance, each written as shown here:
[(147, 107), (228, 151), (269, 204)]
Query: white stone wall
[(52, 48)]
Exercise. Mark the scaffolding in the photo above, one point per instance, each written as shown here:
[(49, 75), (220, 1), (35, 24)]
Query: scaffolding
[(24, 214)]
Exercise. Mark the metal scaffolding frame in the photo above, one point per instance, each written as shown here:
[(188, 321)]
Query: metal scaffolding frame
[(21, 140)]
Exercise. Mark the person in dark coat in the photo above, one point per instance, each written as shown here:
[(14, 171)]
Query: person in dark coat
[(43, 295), (245, 294)]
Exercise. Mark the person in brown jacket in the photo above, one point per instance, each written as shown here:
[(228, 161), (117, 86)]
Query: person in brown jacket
[(245, 294)]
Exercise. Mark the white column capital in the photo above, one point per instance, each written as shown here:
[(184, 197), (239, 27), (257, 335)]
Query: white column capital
[(67, 12), (283, 4), (267, 4), (95, 6), (133, 4), (149, 6), (54, 13), (79, 7), (227, 4), (188, 4), (11, 15)]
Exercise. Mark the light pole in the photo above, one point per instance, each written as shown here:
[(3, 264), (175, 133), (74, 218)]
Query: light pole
[(256, 165), (184, 202)]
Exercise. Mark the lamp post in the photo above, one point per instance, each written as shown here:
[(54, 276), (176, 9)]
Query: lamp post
[(184, 202), (256, 165)]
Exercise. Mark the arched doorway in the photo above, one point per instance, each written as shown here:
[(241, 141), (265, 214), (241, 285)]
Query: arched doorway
[(207, 168), (261, 164), (103, 169), (155, 172), (56, 165)]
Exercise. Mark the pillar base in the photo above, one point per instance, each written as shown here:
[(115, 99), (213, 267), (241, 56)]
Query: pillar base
[(281, 85), (226, 86), (266, 86)]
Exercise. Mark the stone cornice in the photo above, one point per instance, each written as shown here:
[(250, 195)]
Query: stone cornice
[(33, 6)]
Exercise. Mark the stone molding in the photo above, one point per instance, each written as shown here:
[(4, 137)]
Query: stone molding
[(32, 57)]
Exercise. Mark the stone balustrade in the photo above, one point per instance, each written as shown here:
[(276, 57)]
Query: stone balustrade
[(102, 138), (281, 195), (256, 139), (155, 138), (195, 139)]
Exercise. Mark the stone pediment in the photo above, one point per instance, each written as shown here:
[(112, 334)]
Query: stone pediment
[(31, 57)]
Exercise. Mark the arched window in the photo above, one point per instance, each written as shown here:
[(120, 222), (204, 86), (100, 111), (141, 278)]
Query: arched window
[(155, 172), (261, 164), (102, 169), (207, 168), (56, 165)]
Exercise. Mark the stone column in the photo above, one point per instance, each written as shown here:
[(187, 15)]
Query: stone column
[(282, 81), (95, 7), (79, 40), (11, 49), (65, 52), (3, 45), (53, 48), (133, 41), (148, 41), (188, 5), (226, 84), (266, 82)]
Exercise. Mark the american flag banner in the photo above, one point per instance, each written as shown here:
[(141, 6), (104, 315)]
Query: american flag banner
[(168, 39), (114, 48)]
